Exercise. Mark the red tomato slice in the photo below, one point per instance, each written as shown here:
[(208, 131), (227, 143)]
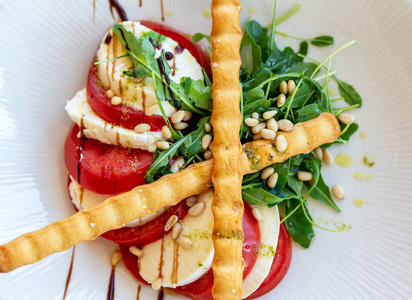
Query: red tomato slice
[(149, 232), (280, 264), (127, 116), (202, 288), (102, 168), (122, 115)]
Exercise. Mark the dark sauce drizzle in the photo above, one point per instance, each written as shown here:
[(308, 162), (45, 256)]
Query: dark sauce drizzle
[(138, 292), (122, 14), (110, 290), (108, 39), (160, 294), (162, 70), (69, 275)]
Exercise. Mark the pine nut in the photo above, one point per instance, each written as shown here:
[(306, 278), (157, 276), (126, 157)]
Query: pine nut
[(116, 257), (251, 122), (257, 214), (257, 136), (171, 222), (116, 100), (281, 100), (206, 140), (268, 134), (188, 115), (346, 118), (269, 114), (319, 153), (255, 115), (210, 146), (208, 154), (208, 128), (109, 94), (181, 126), (327, 157), (305, 176), (191, 201), (185, 242), (291, 86), (143, 127), (152, 109), (281, 143), (157, 283), (272, 124), (285, 125), (178, 116), (136, 251), (196, 209), (337, 190), (162, 145), (258, 128), (266, 173), (166, 132), (283, 87), (273, 179), (176, 231)]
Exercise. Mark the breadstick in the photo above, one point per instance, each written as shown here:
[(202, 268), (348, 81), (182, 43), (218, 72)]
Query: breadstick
[(227, 205), (168, 190)]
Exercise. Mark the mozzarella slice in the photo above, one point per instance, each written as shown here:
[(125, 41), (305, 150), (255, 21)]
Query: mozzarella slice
[(139, 92), (96, 128), (174, 264), (82, 198), (269, 230)]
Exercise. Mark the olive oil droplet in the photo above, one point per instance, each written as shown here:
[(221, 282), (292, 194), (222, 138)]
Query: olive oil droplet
[(358, 202), (359, 175), (363, 134), (344, 160)]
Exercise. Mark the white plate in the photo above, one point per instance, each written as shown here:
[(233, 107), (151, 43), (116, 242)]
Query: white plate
[(45, 51)]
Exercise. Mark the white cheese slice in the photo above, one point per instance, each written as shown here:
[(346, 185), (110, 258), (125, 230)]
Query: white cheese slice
[(269, 230), (96, 128), (180, 266), (83, 198), (139, 93)]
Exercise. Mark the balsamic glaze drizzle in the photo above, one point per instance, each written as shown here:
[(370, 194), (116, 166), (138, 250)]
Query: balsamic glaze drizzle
[(115, 4), (110, 290), (69, 274)]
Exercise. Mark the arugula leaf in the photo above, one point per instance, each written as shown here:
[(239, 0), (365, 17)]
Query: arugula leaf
[(156, 37), (349, 93), (303, 48), (353, 127), (257, 36), (298, 226), (193, 142), (319, 190), (196, 90), (199, 36), (309, 112), (142, 52), (162, 159), (279, 61), (306, 68), (322, 41), (258, 196)]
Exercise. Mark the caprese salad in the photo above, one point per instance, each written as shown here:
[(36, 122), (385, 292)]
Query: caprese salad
[(120, 124), (145, 112)]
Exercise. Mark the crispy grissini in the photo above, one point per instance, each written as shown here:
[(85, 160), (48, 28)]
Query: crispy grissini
[(227, 203), (168, 190)]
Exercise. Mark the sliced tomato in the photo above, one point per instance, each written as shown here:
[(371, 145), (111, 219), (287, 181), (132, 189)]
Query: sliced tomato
[(149, 232), (124, 115), (102, 168), (202, 288), (279, 266)]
